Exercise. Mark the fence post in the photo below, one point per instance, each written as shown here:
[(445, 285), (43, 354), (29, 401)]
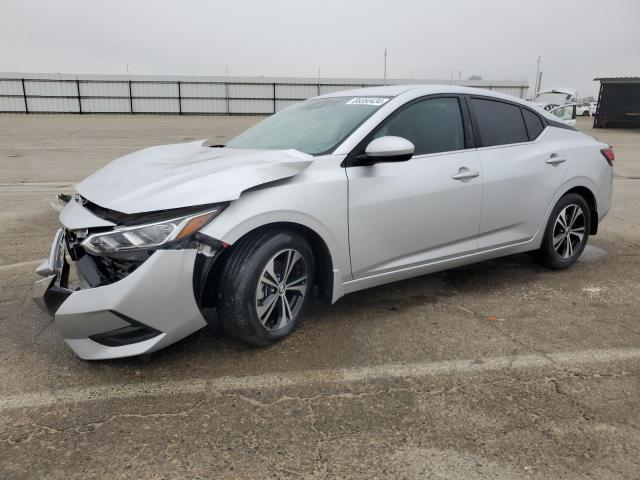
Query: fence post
[(130, 98), (24, 96), (274, 97), (226, 96), (318, 89), (180, 97), (79, 99)]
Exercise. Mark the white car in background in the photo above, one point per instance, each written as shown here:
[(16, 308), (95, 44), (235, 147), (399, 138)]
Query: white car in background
[(567, 113), (553, 97), (334, 194), (586, 109)]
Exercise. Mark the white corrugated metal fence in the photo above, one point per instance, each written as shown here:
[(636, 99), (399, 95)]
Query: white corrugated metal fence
[(52, 93)]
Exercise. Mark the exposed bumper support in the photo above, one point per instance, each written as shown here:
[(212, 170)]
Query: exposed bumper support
[(53, 265), (48, 293)]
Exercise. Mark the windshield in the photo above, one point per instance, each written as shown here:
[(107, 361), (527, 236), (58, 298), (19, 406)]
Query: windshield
[(313, 126)]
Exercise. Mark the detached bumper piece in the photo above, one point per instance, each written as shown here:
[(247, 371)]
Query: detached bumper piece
[(49, 296), (124, 308)]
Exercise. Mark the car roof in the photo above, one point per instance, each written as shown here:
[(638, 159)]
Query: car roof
[(414, 91), (420, 90)]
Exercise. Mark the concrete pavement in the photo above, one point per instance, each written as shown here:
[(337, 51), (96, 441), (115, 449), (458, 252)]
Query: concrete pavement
[(498, 370)]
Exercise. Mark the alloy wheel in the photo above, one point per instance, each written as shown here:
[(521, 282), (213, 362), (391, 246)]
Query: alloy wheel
[(281, 289), (568, 231)]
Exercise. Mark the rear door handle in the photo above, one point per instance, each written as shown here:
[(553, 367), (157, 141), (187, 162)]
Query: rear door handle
[(464, 174), (556, 159)]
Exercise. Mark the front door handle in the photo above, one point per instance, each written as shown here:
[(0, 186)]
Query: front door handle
[(464, 173), (556, 159)]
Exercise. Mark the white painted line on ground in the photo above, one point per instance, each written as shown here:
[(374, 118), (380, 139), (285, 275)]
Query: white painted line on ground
[(336, 377), (11, 266), (36, 184), (34, 187), (68, 147)]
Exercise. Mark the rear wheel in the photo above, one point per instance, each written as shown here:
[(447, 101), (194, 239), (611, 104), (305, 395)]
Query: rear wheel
[(586, 113), (265, 286), (567, 232)]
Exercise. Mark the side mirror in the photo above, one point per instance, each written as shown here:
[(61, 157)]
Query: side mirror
[(388, 149)]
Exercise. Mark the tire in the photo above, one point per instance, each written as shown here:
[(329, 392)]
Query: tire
[(566, 248), (259, 303), (586, 113)]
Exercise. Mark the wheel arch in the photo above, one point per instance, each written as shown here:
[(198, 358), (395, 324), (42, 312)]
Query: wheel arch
[(590, 198), (324, 275)]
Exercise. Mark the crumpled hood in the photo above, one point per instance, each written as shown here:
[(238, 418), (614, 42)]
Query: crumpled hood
[(186, 174)]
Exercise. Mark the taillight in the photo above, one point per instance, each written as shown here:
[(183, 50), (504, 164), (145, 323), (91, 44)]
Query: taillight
[(608, 154)]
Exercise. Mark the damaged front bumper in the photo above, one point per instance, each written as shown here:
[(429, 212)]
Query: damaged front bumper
[(48, 292), (150, 308)]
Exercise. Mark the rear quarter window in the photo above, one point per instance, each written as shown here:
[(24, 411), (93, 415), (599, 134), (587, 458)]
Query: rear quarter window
[(498, 123), (533, 122)]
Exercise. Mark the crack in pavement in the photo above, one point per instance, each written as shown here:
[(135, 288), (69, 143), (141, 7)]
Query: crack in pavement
[(513, 339), (91, 426), (562, 361), (347, 395), (559, 391), (500, 331)]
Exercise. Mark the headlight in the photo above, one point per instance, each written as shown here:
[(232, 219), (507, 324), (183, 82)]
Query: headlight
[(148, 236)]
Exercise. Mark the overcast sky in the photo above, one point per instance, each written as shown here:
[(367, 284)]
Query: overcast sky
[(497, 39)]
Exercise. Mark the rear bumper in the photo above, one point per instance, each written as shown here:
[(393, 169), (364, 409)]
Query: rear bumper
[(151, 308)]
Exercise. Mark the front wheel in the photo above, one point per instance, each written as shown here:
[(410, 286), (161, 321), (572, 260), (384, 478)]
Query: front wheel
[(265, 285), (567, 232)]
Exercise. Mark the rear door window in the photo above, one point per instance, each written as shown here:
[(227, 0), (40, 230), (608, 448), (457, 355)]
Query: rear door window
[(498, 123), (533, 122)]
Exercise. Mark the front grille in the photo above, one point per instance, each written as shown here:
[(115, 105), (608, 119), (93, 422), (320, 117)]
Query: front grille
[(97, 271)]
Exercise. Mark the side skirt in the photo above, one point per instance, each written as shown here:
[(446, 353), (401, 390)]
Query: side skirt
[(438, 266)]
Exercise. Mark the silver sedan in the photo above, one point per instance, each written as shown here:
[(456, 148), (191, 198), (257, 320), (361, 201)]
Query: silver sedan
[(332, 195)]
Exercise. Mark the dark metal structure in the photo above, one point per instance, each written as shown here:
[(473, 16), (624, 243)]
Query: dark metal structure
[(618, 103)]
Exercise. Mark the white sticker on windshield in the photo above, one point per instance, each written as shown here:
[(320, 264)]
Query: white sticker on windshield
[(376, 101)]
